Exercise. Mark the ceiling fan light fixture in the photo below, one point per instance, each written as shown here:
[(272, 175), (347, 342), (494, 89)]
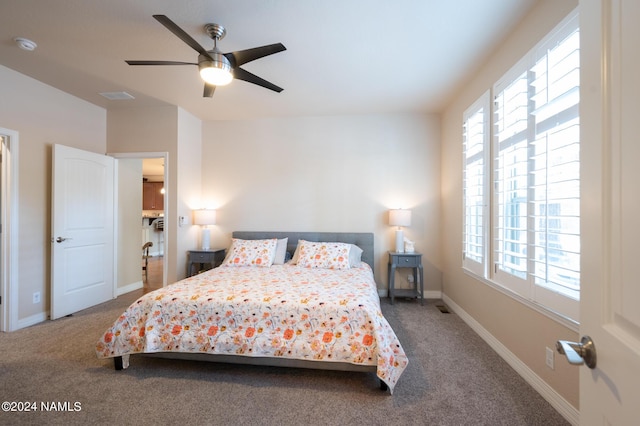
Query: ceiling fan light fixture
[(215, 70)]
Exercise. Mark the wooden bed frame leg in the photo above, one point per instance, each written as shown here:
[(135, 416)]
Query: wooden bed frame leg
[(383, 386)]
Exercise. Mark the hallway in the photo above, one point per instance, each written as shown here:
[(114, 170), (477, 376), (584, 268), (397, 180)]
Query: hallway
[(154, 280)]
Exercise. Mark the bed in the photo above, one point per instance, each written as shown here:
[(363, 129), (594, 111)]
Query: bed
[(319, 310)]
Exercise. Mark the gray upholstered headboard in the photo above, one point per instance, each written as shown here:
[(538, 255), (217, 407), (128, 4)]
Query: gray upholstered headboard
[(364, 240)]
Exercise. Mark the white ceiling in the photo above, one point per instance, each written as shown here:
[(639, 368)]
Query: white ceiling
[(342, 57)]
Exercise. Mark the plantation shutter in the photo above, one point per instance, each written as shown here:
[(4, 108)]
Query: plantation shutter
[(536, 175), (555, 164), (475, 138), (511, 186)]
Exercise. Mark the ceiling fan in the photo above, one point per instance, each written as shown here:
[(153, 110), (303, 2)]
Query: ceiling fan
[(217, 68)]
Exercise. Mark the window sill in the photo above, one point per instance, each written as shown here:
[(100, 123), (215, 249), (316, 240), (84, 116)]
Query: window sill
[(559, 318)]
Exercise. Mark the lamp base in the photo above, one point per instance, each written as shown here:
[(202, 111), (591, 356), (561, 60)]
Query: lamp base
[(399, 241), (206, 239)]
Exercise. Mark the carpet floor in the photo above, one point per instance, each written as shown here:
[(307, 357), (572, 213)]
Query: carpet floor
[(453, 378)]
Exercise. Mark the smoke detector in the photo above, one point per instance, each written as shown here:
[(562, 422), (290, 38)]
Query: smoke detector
[(25, 44)]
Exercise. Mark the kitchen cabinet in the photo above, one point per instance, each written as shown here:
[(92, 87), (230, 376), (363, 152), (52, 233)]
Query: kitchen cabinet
[(152, 197)]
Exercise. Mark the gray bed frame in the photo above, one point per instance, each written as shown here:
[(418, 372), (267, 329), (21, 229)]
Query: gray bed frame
[(364, 240)]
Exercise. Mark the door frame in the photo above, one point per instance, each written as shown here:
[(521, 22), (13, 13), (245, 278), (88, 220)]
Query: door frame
[(9, 236), (164, 155)]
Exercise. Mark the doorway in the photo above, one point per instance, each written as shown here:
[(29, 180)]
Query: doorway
[(153, 194), (139, 223)]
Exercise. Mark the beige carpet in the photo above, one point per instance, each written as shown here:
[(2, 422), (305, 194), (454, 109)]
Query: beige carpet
[(453, 378)]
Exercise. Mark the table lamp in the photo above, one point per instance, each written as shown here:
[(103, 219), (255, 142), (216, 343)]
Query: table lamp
[(399, 218), (205, 217)]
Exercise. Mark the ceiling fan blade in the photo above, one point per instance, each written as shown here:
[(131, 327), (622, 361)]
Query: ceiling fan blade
[(159, 63), (182, 35), (243, 56), (240, 74), (208, 90)]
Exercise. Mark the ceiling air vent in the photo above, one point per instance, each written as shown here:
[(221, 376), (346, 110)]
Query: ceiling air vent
[(116, 96)]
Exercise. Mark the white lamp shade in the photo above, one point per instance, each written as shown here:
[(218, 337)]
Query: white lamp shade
[(204, 217), (400, 217)]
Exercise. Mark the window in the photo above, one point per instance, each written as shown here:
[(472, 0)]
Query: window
[(535, 177), (476, 213)]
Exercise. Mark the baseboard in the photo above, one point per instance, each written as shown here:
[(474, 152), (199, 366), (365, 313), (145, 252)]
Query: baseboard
[(562, 406), (433, 294), (129, 288), (43, 316), (32, 320)]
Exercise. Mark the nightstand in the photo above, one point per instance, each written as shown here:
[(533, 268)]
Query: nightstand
[(406, 260), (200, 258)]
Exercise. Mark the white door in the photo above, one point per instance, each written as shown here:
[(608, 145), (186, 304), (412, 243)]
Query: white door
[(610, 152), (82, 230)]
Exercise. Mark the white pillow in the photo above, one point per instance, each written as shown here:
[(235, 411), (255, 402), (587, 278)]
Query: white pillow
[(281, 251), (355, 256)]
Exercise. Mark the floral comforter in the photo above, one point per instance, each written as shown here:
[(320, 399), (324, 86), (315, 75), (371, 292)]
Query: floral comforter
[(280, 311)]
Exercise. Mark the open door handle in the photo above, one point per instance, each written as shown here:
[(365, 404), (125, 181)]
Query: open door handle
[(60, 239), (578, 353)]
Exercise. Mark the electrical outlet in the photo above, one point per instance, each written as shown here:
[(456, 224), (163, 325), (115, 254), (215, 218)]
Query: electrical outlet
[(36, 297), (410, 278), (549, 357)]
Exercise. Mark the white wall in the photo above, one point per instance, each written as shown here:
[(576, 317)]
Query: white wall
[(525, 332), (129, 223), (188, 186), (175, 131), (153, 129), (336, 173), (43, 116)]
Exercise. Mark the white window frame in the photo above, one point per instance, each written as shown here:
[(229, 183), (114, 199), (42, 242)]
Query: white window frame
[(476, 129), (552, 303)]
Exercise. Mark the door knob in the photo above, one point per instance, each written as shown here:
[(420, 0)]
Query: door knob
[(579, 353), (60, 239)]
